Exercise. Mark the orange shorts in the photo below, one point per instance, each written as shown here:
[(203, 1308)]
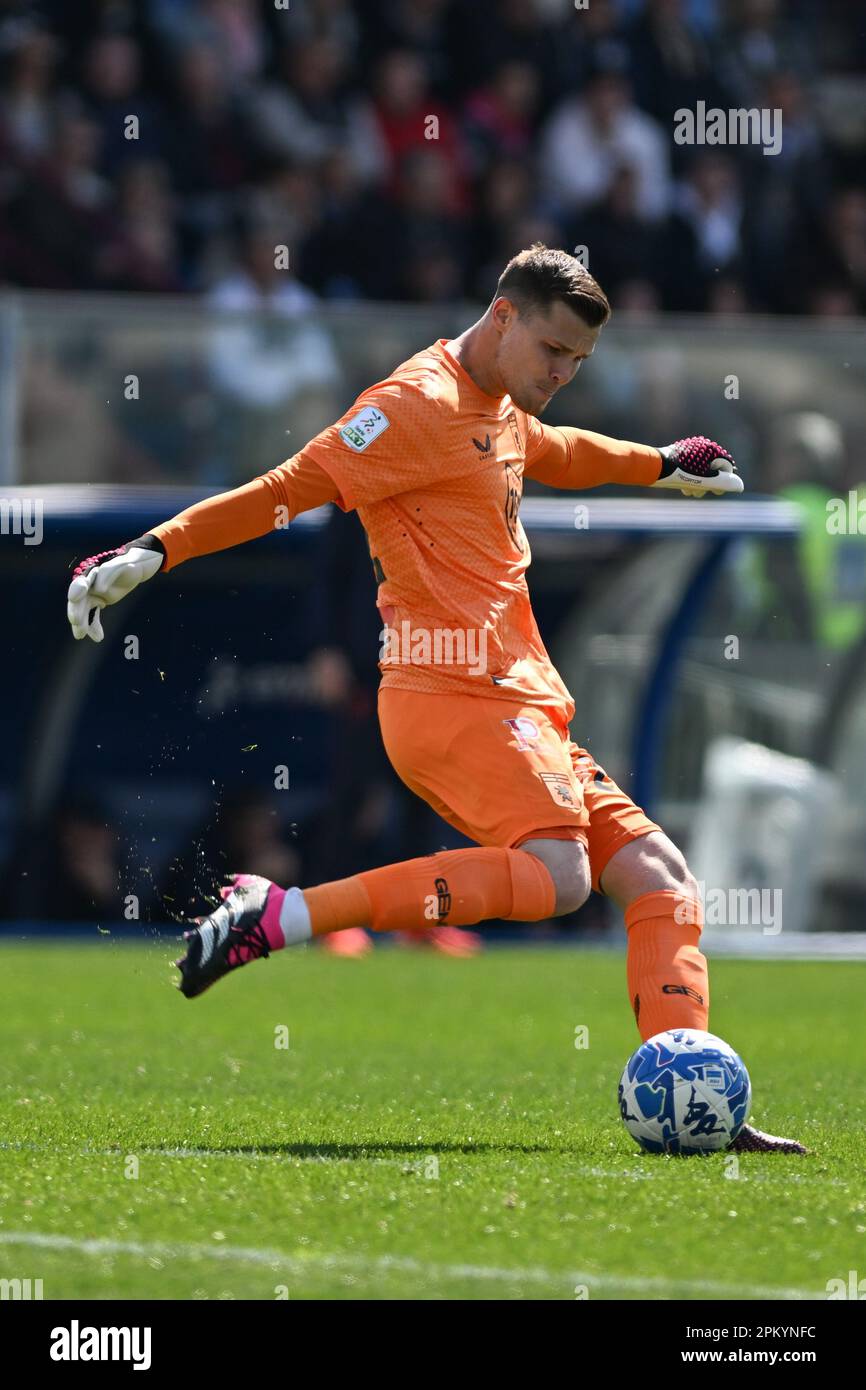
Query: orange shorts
[(503, 773)]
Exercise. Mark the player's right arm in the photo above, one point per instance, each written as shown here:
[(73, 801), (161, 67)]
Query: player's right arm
[(230, 518), (366, 456)]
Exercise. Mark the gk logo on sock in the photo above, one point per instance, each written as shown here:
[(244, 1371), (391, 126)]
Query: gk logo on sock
[(683, 989), (443, 899), (436, 908)]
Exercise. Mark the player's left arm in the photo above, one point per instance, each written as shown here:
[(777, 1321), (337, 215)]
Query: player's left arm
[(565, 457)]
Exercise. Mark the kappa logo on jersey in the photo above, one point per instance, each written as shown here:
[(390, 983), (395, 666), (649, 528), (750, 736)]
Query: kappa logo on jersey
[(364, 427), (525, 731), (560, 787)]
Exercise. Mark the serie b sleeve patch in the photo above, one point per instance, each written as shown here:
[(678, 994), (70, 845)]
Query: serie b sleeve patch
[(364, 427)]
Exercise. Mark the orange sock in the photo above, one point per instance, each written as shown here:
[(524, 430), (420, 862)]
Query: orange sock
[(458, 886), (668, 985)]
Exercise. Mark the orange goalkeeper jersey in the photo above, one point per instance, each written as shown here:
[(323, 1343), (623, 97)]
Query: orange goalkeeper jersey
[(434, 467)]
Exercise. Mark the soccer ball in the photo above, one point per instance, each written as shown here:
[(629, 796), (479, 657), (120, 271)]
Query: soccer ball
[(684, 1092)]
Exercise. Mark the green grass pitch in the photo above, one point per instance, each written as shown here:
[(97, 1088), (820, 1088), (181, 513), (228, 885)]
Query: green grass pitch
[(431, 1131)]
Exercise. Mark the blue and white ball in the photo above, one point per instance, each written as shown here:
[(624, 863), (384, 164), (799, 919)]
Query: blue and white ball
[(684, 1092)]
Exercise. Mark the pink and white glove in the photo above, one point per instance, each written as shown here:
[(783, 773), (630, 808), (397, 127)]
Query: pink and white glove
[(698, 465), (103, 579)]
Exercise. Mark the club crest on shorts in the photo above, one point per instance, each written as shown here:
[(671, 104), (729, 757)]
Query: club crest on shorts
[(560, 788), (525, 731)]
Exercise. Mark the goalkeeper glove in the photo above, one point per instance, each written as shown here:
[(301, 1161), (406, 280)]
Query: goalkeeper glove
[(698, 465), (103, 579)]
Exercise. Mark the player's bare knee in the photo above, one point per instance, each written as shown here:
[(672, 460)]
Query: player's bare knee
[(680, 876), (689, 886), (568, 864), (667, 864), (572, 885)]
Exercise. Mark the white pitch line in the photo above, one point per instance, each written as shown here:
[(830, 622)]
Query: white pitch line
[(401, 1264)]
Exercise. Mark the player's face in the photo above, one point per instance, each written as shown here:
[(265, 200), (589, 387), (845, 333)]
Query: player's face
[(539, 352)]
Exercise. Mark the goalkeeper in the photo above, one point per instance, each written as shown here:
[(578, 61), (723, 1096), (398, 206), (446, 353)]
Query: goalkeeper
[(474, 717)]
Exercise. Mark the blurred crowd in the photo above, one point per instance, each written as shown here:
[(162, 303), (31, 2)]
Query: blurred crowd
[(405, 149)]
